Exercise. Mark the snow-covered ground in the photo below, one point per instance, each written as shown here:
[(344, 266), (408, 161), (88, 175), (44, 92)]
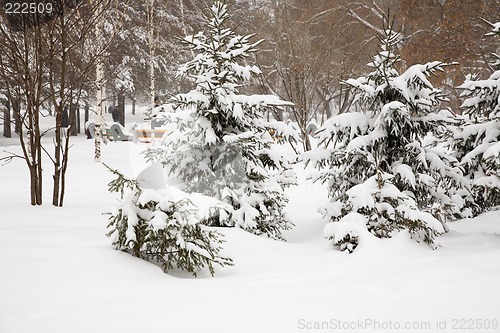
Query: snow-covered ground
[(59, 273)]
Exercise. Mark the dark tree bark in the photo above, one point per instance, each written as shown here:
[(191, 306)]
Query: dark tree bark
[(73, 130), (17, 116), (78, 122), (48, 63), (121, 108), (86, 116), (6, 120)]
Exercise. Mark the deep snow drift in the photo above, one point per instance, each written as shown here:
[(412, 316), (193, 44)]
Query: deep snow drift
[(58, 272)]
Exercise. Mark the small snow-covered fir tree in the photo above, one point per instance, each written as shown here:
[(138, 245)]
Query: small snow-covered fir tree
[(477, 140), (221, 145), (380, 164), (156, 225)]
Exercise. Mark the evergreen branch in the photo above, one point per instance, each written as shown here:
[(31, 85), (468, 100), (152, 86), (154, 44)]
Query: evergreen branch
[(118, 185)]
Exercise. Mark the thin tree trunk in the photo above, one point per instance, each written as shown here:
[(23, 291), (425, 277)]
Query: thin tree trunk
[(307, 140), (58, 149), (38, 146), (34, 151), (16, 110), (57, 156), (345, 101), (31, 150), (100, 109), (6, 120), (34, 95), (152, 47), (72, 120), (78, 121), (121, 108), (326, 111), (33, 185), (86, 115), (63, 171), (101, 95)]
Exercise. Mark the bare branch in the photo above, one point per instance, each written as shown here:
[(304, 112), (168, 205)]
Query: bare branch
[(7, 159), (365, 22)]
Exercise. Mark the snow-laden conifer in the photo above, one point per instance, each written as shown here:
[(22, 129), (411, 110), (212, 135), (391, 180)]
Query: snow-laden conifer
[(383, 164), (220, 143), (477, 140), (159, 225)]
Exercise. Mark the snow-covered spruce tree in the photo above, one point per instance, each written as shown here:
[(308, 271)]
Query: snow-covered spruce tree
[(477, 140), (221, 145), (381, 164), (156, 225)]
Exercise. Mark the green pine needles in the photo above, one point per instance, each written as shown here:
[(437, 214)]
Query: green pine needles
[(152, 225), (220, 143), (477, 140), (384, 169)]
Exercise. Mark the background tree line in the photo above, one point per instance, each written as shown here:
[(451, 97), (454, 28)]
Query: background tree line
[(309, 48)]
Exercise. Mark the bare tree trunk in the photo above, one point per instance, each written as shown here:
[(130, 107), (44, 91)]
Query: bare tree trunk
[(59, 109), (33, 89), (78, 122), (60, 145), (86, 115), (35, 186), (133, 106), (345, 102), (100, 107), (307, 142), (33, 149), (326, 111), (33, 153), (64, 166), (16, 110), (152, 49), (73, 127), (40, 57), (121, 108), (57, 156), (6, 120), (24, 59)]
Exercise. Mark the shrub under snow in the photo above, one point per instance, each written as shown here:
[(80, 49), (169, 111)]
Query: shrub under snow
[(156, 225)]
